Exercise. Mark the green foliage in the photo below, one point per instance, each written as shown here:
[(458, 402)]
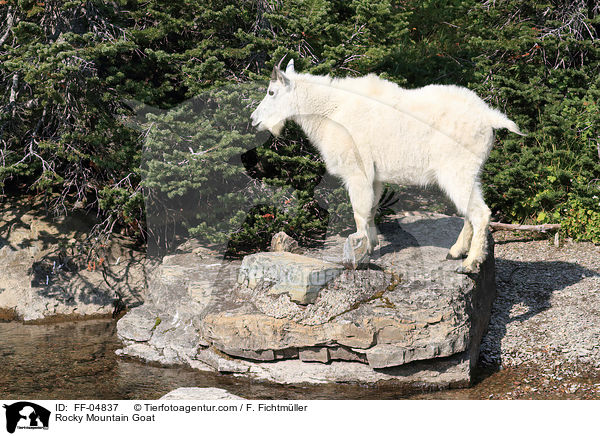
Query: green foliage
[(581, 218), (60, 128), (541, 63), (192, 173), (324, 37), (70, 70)]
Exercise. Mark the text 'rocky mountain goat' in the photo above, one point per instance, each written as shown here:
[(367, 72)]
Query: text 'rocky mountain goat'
[(370, 131)]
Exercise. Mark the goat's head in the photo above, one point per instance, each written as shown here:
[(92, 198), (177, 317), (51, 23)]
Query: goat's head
[(279, 103)]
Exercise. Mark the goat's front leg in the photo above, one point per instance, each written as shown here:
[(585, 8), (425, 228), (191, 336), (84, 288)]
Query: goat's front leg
[(377, 191), (359, 246)]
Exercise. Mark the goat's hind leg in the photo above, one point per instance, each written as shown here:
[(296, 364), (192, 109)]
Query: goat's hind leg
[(460, 194), (463, 242), (479, 215), (473, 237)]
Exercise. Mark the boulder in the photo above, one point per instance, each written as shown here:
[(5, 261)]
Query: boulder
[(408, 316)]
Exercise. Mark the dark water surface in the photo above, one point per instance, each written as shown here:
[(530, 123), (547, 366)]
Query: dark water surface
[(76, 360)]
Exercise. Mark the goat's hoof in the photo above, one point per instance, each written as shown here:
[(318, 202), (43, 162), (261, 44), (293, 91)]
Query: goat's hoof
[(462, 270), (356, 252), (468, 268), (450, 256)]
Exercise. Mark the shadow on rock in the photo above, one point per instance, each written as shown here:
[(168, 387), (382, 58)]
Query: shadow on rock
[(399, 238), (410, 234), (56, 276)]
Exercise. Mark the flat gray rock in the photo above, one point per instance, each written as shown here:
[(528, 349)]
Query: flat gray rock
[(409, 316), (200, 394)]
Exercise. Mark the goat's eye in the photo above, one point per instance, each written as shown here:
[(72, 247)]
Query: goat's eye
[(271, 92)]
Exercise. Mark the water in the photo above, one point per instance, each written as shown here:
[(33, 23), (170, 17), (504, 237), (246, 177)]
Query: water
[(76, 360)]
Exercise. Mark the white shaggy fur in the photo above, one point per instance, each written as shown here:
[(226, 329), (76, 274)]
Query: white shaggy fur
[(370, 131)]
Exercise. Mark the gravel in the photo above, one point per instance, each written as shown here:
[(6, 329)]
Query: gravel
[(547, 312)]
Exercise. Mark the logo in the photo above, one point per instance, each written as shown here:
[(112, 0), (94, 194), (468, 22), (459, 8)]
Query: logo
[(26, 415)]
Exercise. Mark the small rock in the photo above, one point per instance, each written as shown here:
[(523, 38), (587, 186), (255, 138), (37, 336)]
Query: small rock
[(140, 351), (341, 353), (314, 354), (220, 363), (250, 354), (138, 325), (283, 242)]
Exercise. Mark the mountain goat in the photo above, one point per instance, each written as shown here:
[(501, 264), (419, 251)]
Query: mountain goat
[(370, 131)]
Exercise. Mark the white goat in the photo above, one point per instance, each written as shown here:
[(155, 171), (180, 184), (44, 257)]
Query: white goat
[(370, 131)]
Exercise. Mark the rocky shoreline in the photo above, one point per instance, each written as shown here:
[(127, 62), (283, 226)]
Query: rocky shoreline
[(548, 307)]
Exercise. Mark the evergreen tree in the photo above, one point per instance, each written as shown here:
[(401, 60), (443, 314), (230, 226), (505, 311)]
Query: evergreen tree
[(60, 131), (542, 60)]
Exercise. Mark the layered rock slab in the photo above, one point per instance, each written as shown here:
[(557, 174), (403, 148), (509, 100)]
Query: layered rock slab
[(408, 317), (301, 277)]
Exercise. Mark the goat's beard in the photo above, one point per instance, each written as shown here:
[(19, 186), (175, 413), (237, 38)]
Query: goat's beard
[(276, 128)]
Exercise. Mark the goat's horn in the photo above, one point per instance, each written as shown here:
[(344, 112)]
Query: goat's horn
[(275, 68), (281, 61)]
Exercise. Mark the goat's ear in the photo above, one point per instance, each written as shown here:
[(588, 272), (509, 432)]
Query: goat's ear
[(290, 67), (280, 76)]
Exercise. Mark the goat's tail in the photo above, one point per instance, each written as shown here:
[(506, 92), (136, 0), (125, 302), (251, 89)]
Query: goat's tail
[(500, 121)]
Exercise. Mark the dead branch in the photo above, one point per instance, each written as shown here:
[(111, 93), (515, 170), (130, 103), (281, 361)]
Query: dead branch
[(13, 89), (542, 228), (9, 22)]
